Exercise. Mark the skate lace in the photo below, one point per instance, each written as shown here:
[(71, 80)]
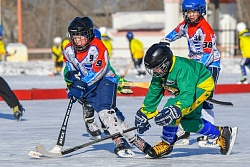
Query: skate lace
[(161, 147), (222, 142)]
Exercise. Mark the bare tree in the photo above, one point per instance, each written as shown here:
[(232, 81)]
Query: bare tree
[(42, 20), (243, 11)]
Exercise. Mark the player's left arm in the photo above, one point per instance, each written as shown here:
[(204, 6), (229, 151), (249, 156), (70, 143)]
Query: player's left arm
[(153, 97)]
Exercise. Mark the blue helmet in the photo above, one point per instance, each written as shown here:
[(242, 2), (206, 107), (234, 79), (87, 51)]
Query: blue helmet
[(130, 35), (196, 5), (97, 33)]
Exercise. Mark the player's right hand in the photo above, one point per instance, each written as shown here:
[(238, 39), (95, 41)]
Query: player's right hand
[(77, 89), (141, 122)]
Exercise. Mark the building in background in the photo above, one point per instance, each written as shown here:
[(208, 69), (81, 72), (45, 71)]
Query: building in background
[(151, 26)]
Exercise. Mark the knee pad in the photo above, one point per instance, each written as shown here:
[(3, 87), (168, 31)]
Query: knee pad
[(124, 125), (110, 121)]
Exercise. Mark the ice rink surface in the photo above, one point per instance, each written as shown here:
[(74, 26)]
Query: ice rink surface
[(43, 118)]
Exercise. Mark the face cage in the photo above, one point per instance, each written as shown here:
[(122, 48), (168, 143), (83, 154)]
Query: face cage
[(87, 34), (201, 11), (164, 67)]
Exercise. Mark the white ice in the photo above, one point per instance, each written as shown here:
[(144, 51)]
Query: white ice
[(43, 118)]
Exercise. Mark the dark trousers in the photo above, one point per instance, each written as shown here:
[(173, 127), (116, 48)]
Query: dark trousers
[(104, 96), (7, 94)]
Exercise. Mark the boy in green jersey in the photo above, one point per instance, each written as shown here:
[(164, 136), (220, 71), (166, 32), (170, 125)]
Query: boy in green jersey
[(191, 84)]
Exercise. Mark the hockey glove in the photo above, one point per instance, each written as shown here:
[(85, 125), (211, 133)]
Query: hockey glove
[(124, 89), (167, 115), (164, 41), (77, 89), (71, 76), (141, 122)]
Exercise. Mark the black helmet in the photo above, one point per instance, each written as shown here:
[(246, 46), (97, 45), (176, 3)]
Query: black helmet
[(81, 27), (158, 60)]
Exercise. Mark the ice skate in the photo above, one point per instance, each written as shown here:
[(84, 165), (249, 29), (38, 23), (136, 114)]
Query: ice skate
[(182, 137), (243, 80), (18, 112), (226, 139), (89, 119), (140, 144), (183, 140), (93, 130), (57, 73), (160, 150), (122, 148), (205, 142)]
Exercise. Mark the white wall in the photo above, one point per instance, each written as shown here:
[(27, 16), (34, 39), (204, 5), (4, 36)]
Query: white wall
[(228, 13), (138, 20)]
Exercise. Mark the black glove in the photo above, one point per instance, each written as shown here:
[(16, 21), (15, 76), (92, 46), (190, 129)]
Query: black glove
[(141, 122), (71, 75), (77, 89), (167, 115)]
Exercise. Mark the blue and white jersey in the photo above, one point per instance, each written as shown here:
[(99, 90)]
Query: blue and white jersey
[(201, 42)]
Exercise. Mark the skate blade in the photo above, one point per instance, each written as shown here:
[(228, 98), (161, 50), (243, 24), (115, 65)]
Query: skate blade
[(242, 82), (182, 142), (149, 157), (95, 137), (18, 119), (205, 144), (126, 153), (234, 135)]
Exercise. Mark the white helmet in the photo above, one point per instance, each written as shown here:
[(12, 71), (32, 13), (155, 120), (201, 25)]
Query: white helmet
[(241, 26), (103, 30), (57, 40)]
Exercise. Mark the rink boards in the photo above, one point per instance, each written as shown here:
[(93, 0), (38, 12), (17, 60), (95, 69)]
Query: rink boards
[(38, 94)]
